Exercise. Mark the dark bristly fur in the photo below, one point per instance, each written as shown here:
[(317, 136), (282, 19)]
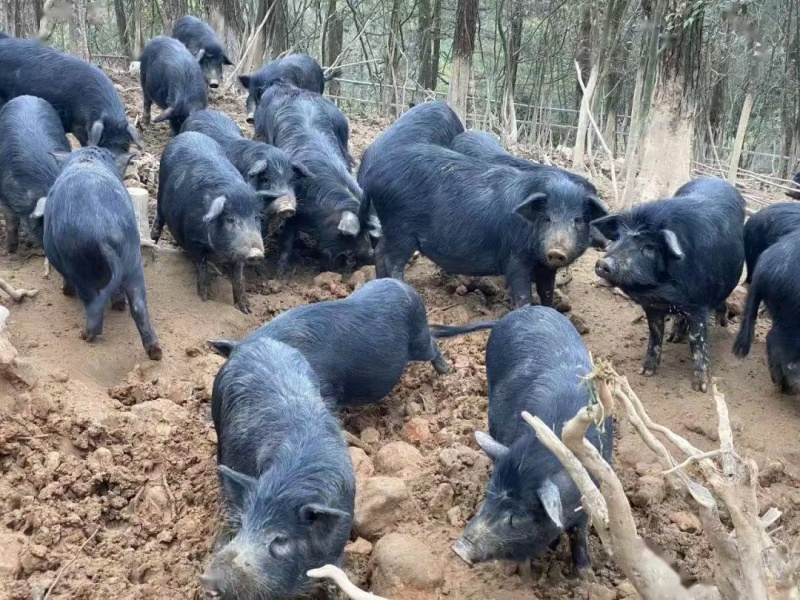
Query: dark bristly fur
[(193, 173), (776, 283), (30, 131), (172, 78), (765, 228), (285, 472), (705, 218), (471, 218), (91, 238), (535, 360), (83, 96), (314, 133), (359, 346), (196, 35)]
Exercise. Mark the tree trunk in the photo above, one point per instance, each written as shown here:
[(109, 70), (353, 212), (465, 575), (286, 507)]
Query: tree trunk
[(744, 117), (511, 41), (138, 29), (463, 47), (334, 39), (77, 29), (436, 39), (122, 29), (393, 92), (424, 31), (584, 49)]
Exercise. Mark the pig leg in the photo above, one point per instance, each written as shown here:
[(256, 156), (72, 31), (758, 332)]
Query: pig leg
[(147, 104), (545, 284), (67, 289), (94, 305), (722, 315), (381, 272), (135, 293), (579, 545), (203, 279), (12, 231), (680, 327), (286, 243), (396, 252), (774, 362), (518, 284), (239, 291), (698, 343), (157, 228), (118, 300), (655, 322)]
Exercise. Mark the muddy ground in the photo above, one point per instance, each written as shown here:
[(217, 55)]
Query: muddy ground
[(107, 481)]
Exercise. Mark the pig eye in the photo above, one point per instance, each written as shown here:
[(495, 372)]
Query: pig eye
[(279, 547), (229, 220), (649, 250)]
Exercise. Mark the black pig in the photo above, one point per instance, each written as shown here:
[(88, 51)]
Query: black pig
[(313, 132), (287, 480), (91, 238), (210, 211), (173, 80), (83, 96), (680, 256), (765, 228), (359, 346), (30, 132), (300, 70), (535, 362), (202, 42), (776, 283), (266, 168)]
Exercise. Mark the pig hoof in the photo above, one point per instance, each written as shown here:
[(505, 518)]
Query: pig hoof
[(244, 307), (700, 382), (647, 371), (441, 366), (87, 336), (119, 305), (154, 352)]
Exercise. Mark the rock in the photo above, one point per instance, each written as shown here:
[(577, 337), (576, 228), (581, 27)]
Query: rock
[(370, 435), (600, 592), (212, 436), (161, 409), (462, 290), (397, 457), (454, 516), (360, 547), (735, 302), (356, 280), (165, 537), (52, 460), (100, 460), (650, 490), (327, 279), (626, 590), (442, 500), (489, 287), (403, 567), (60, 376), (368, 271), (11, 546), (579, 323), (133, 68), (381, 502), (645, 468), (416, 429), (560, 302), (685, 521), (455, 459), (772, 472), (361, 463)]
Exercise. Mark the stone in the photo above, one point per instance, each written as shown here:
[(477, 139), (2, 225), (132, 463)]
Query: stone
[(11, 547), (362, 464), (454, 516), (100, 460), (416, 429), (356, 280), (580, 324), (403, 567), (686, 521), (396, 458), (370, 435), (381, 503), (626, 590), (60, 376), (598, 591), (561, 302), (442, 500), (327, 279), (368, 271), (360, 547), (650, 490), (52, 460)]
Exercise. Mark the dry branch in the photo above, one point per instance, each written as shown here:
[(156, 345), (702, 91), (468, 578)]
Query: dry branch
[(340, 578), (17, 295)]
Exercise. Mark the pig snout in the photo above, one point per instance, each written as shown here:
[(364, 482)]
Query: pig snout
[(213, 84), (285, 206), (251, 117), (211, 583), (557, 258), (255, 255), (604, 268), (464, 549)]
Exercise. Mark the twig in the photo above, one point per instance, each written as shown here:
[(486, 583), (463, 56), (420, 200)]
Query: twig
[(600, 137), (247, 49), (64, 568), (16, 295), (340, 578), (692, 459)]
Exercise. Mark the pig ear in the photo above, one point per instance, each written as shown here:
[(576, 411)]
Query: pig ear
[(96, 133), (235, 485), (349, 224), (222, 347), (532, 206), (215, 210), (300, 170), (672, 243), (61, 157), (608, 226), (134, 136), (492, 447), (375, 227), (322, 518), (551, 501), (596, 208), (198, 56), (122, 162), (245, 81), (258, 167), (165, 114), (226, 60), (38, 211)]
